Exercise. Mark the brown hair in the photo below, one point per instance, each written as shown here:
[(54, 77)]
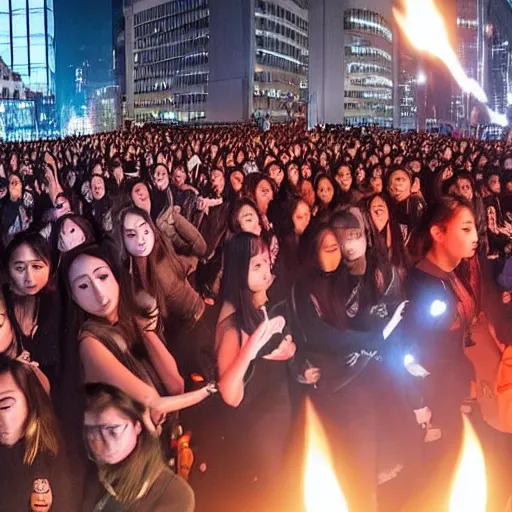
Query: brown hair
[(162, 251), (132, 477), (40, 432)]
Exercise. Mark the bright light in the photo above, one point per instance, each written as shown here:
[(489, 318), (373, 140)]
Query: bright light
[(424, 26), (437, 308), (408, 360), (421, 79), (469, 491), (322, 492)]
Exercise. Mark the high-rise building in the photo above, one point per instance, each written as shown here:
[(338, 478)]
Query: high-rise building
[(282, 48), (353, 72), (27, 46), (215, 59)]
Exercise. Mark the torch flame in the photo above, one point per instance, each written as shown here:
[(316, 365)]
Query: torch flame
[(322, 492), (469, 491), (424, 26)]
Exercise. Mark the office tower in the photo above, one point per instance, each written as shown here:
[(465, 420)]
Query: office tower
[(353, 72), (217, 59), (27, 46)]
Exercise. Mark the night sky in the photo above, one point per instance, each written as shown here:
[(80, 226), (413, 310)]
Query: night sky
[(83, 30)]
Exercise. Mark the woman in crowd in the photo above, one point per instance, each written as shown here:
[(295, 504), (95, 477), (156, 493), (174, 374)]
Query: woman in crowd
[(34, 302), (35, 474), (118, 343), (131, 474), (252, 372), (155, 271)]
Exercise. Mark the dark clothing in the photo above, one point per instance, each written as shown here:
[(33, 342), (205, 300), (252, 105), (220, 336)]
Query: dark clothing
[(408, 214), (46, 343), (17, 480), (169, 493)]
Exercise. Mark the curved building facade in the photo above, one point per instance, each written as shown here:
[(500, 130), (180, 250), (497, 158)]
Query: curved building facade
[(368, 68), (281, 60)]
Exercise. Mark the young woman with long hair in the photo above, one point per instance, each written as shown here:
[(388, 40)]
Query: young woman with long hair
[(118, 343), (252, 372), (130, 472), (154, 270), (33, 302), (35, 474)]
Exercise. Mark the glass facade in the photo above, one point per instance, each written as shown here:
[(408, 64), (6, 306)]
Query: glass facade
[(281, 66), (170, 52), (17, 120), (27, 43), (368, 68)]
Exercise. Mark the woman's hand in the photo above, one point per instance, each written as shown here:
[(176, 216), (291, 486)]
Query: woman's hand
[(311, 376), (263, 333), (284, 352)]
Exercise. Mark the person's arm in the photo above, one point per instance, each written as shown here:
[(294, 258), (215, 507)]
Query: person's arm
[(164, 363), (100, 365), (191, 240), (233, 360)]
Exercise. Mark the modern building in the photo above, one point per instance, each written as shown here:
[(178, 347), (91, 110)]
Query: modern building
[(353, 73), (27, 46), (470, 52), (220, 60), (282, 49)]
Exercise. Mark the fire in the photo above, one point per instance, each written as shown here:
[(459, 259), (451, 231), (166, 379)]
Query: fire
[(469, 492), (322, 492), (424, 26)]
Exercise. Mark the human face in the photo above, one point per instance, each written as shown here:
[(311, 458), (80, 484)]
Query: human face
[(459, 238), (97, 187), (71, 235), (29, 273), (301, 217), (325, 191), (110, 435), (276, 173), (13, 411), (218, 182), (447, 173), (494, 184), (41, 498), (140, 197), (329, 252), (62, 207), (360, 176), (464, 189), (344, 178), (353, 245), (236, 179), (492, 219), (399, 186), (94, 287), (379, 213), (15, 187), (161, 177), (307, 193), (293, 175), (138, 236), (305, 170), (264, 195), (179, 177), (260, 275), (507, 164), (249, 220), (376, 185)]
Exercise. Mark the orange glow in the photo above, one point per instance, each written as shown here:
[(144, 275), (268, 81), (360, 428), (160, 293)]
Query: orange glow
[(469, 491), (424, 26), (322, 493)]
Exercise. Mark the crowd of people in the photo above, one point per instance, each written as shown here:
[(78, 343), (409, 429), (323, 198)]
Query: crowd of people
[(171, 294)]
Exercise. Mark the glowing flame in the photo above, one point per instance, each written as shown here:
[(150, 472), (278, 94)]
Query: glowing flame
[(322, 492), (469, 492), (424, 26)]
